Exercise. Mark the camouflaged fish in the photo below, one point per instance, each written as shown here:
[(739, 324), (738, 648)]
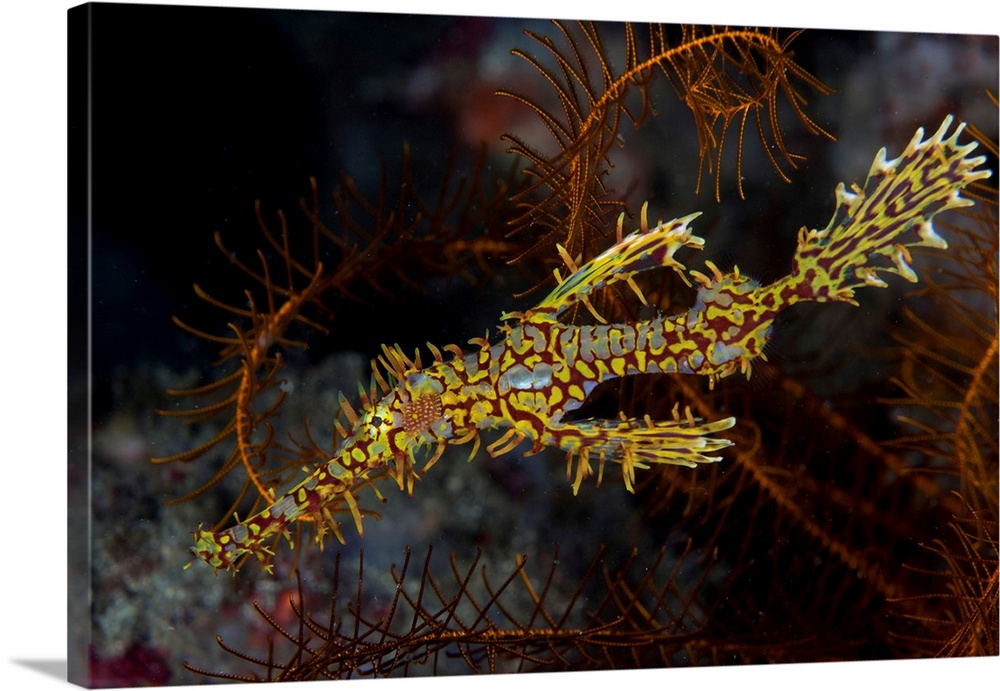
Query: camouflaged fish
[(539, 369)]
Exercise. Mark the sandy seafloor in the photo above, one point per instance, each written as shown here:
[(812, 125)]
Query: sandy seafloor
[(149, 614)]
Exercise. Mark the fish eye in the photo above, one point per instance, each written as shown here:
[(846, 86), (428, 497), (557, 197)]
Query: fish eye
[(377, 420)]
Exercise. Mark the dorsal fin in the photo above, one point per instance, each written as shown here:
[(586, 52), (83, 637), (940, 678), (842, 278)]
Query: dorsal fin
[(642, 250)]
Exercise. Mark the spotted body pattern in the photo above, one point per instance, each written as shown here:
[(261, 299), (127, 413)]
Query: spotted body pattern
[(541, 369)]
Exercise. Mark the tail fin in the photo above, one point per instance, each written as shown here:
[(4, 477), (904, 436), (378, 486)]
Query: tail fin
[(870, 232), (872, 227)]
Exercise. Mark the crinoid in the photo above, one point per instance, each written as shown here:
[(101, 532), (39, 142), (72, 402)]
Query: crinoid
[(640, 612), (948, 406), (725, 77)]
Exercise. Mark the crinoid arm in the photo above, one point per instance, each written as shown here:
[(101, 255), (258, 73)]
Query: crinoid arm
[(644, 249), (633, 443), (873, 227)]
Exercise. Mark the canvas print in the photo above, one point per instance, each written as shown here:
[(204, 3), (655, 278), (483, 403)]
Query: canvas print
[(410, 345)]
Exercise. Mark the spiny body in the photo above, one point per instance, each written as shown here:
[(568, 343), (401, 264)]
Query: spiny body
[(541, 369)]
